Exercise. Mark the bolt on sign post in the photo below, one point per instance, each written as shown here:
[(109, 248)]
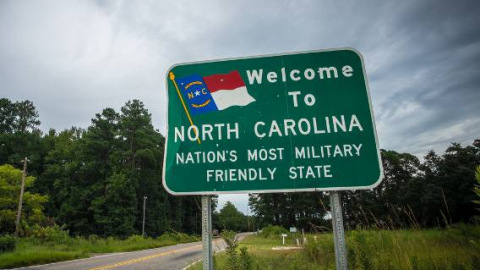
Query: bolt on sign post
[(274, 123)]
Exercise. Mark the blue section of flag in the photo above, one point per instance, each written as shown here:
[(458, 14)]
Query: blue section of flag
[(196, 94)]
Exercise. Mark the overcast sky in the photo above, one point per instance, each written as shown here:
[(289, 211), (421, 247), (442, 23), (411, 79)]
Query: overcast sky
[(75, 58)]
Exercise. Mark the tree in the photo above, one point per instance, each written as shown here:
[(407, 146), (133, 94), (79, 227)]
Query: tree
[(26, 117), (62, 164), (231, 219), (476, 189), (435, 192), (118, 205), (120, 155), (7, 115), (142, 155), (302, 210), (456, 178), (33, 204), (20, 135)]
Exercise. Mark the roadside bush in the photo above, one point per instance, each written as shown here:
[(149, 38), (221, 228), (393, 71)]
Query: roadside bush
[(462, 234), (321, 251), (232, 243), (272, 231), (362, 249), (93, 238), (135, 239), (233, 260), (184, 238), (51, 234), (176, 238), (246, 262), (7, 243)]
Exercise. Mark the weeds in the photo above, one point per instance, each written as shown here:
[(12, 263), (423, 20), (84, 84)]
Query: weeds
[(456, 247), (7, 243), (245, 259), (362, 249), (233, 261), (272, 231)]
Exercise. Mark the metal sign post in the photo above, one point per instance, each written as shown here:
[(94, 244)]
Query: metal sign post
[(338, 231), (207, 232)]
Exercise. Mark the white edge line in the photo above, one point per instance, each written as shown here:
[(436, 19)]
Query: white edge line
[(199, 260), (190, 265)]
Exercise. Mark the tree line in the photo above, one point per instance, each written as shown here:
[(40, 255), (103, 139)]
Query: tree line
[(437, 191), (94, 181)]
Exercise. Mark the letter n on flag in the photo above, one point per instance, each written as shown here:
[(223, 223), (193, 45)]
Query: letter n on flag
[(215, 92)]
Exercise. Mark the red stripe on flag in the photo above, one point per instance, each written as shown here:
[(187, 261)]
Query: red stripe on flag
[(227, 81)]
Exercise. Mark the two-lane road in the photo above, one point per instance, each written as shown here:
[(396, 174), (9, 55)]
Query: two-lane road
[(171, 257)]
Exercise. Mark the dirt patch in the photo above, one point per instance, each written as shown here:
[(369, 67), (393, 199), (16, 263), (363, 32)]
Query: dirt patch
[(286, 248)]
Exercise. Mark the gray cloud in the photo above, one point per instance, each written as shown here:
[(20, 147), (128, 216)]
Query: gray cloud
[(74, 58), (430, 85)]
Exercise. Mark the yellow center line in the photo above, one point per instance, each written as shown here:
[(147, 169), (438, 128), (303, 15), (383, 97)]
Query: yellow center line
[(110, 266)]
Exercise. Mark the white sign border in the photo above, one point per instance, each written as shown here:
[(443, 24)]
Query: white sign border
[(380, 178)]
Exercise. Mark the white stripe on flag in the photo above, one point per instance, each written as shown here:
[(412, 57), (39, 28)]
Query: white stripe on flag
[(236, 97)]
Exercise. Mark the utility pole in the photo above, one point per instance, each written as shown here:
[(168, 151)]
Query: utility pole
[(143, 223), (20, 201)]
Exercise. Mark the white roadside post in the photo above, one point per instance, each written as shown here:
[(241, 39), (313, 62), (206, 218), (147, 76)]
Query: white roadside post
[(207, 232), (338, 231), (283, 238)]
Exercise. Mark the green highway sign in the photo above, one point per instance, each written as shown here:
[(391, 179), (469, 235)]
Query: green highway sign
[(275, 123)]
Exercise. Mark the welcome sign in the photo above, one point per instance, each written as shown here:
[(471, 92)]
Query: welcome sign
[(277, 123)]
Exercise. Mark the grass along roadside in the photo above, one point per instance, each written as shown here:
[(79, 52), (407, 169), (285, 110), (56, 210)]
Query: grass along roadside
[(32, 251), (457, 247)]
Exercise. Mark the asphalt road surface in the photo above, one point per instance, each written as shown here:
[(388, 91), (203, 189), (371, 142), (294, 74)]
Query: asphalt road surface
[(165, 258)]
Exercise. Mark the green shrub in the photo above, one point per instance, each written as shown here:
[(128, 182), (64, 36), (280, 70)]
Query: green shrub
[(233, 260), (93, 238), (174, 238), (135, 239), (362, 249), (321, 251), (462, 234), (51, 234), (246, 262), (7, 243), (272, 231), (232, 243)]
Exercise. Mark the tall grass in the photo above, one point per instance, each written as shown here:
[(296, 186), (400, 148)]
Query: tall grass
[(455, 247)]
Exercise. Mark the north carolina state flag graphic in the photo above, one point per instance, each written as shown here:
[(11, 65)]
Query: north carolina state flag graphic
[(215, 92)]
